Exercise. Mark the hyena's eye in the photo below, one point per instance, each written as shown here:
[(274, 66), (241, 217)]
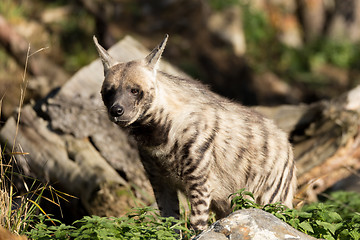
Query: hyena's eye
[(135, 91)]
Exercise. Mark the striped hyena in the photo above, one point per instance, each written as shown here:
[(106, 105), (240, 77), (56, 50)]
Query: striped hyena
[(193, 140)]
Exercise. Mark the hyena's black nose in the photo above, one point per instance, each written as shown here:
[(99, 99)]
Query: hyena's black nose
[(116, 110)]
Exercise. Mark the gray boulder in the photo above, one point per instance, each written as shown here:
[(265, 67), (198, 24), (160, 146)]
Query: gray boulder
[(250, 224)]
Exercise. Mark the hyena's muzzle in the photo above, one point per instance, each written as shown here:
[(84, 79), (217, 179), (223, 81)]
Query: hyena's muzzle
[(116, 111), (122, 109)]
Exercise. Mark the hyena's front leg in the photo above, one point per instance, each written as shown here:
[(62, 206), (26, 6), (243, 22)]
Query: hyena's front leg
[(200, 199), (166, 198), (165, 194)]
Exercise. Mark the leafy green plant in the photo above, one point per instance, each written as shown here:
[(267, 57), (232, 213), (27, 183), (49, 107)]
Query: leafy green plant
[(335, 218), (140, 223), (242, 200)]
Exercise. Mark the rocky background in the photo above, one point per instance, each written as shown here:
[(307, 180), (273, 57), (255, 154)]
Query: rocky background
[(301, 54)]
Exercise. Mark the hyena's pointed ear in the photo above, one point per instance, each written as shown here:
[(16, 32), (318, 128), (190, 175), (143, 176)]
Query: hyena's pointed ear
[(152, 60), (106, 59)]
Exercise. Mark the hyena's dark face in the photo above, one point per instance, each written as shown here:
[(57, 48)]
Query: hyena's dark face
[(129, 88), (127, 92)]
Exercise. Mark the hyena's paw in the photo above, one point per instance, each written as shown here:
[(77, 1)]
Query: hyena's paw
[(199, 222)]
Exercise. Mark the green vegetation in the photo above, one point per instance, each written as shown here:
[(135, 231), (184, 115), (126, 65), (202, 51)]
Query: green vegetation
[(141, 223), (337, 217), (10, 9)]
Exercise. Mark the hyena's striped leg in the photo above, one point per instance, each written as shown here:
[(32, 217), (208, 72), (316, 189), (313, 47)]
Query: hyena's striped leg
[(199, 197)]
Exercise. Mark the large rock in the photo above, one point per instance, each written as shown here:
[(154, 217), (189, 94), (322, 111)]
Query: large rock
[(251, 224)]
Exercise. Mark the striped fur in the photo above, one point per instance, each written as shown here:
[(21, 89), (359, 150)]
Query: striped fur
[(193, 140)]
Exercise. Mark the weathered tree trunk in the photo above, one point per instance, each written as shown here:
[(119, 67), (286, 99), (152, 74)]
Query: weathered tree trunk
[(69, 140)]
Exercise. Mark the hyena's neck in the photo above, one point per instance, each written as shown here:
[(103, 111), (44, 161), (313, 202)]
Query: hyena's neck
[(153, 129), (167, 111)]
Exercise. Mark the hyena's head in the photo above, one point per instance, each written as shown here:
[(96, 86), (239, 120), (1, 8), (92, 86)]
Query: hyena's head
[(129, 88)]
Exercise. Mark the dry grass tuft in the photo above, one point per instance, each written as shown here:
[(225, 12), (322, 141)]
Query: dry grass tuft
[(17, 211)]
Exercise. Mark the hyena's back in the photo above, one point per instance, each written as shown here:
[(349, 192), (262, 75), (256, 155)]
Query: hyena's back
[(251, 152), (234, 147)]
